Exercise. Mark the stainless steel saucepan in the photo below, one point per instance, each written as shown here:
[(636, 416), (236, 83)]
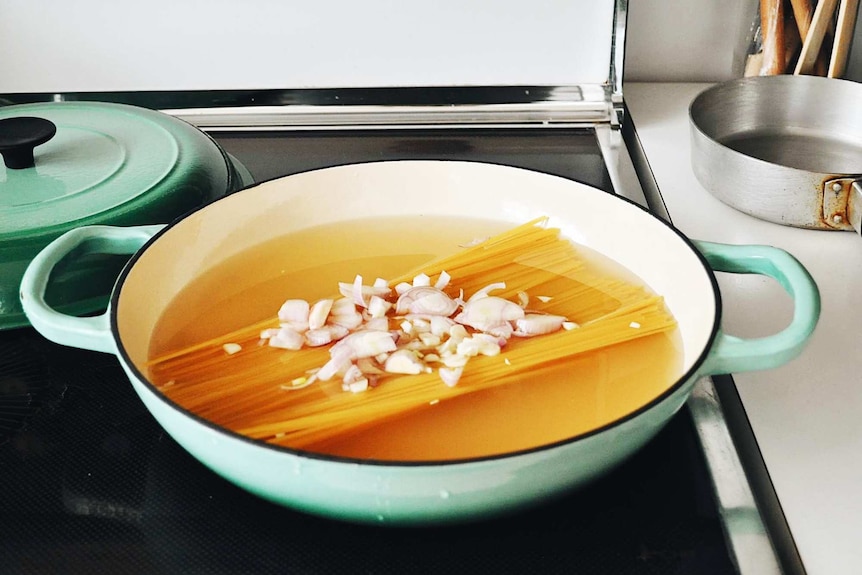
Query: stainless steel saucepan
[(787, 149)]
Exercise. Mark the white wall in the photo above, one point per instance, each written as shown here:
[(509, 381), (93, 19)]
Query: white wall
[(103, 45), (688, 40)]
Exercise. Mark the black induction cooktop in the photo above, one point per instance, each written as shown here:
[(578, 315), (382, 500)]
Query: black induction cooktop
[(90, 484)]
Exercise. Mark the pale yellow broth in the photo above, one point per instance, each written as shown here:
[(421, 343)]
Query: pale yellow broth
[(586, 393)]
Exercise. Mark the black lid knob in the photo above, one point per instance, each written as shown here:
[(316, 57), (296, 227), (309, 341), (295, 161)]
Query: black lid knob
[(18, 137)]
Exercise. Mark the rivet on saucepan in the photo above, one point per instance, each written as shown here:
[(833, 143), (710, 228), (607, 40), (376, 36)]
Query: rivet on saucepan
[(837, 218), (836, 187)]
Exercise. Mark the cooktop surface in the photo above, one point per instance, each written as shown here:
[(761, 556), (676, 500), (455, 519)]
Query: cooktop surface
[(91, 484)]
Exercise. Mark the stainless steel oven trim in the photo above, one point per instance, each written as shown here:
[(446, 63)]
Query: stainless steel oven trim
[(618, 43), (747, 535), (590, 109)]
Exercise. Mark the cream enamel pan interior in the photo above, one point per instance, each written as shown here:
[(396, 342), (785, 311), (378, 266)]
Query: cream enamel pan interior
[(420, 493), (649, 249)]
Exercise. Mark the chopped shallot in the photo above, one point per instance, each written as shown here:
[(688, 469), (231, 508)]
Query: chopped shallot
[(332, 367), (477, 344), (440, 325), (369, 366), (286, 338), (430, 329), (354, 380), (377, 324), (358, 386), (443, 280), (232, 348), (357, 292), (404, 361), (318, 313), (450, 375), (294, 310), (428, 339), (294, 314), (486, 290), (351, 320), (377, 306), (366, 343), (538, 324), (453, 360), (343, 306), (489, 312), (502, 330), (360, 293), (325, 335), (425, 300)]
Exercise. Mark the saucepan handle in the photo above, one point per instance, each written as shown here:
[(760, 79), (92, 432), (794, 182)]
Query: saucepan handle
[(730, 354), (854, 206), (93, 333)]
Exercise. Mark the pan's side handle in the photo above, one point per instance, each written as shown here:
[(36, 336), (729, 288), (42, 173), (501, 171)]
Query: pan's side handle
[(93, 333), (732, 354)]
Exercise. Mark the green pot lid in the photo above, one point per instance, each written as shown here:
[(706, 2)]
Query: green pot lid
[(111, 163), (106, 164)]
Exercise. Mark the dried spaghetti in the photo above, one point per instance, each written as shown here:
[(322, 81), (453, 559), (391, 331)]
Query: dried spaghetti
[(260, 391)]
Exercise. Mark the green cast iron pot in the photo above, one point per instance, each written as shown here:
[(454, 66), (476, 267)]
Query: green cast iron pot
[(402, 493), (71, 164)]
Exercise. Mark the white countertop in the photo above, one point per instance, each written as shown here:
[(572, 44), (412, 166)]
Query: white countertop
[(806, 415)]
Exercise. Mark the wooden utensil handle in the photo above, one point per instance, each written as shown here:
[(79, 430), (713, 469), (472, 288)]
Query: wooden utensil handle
[(772, 29), (802, 13), (814, 38), (843, 37)]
